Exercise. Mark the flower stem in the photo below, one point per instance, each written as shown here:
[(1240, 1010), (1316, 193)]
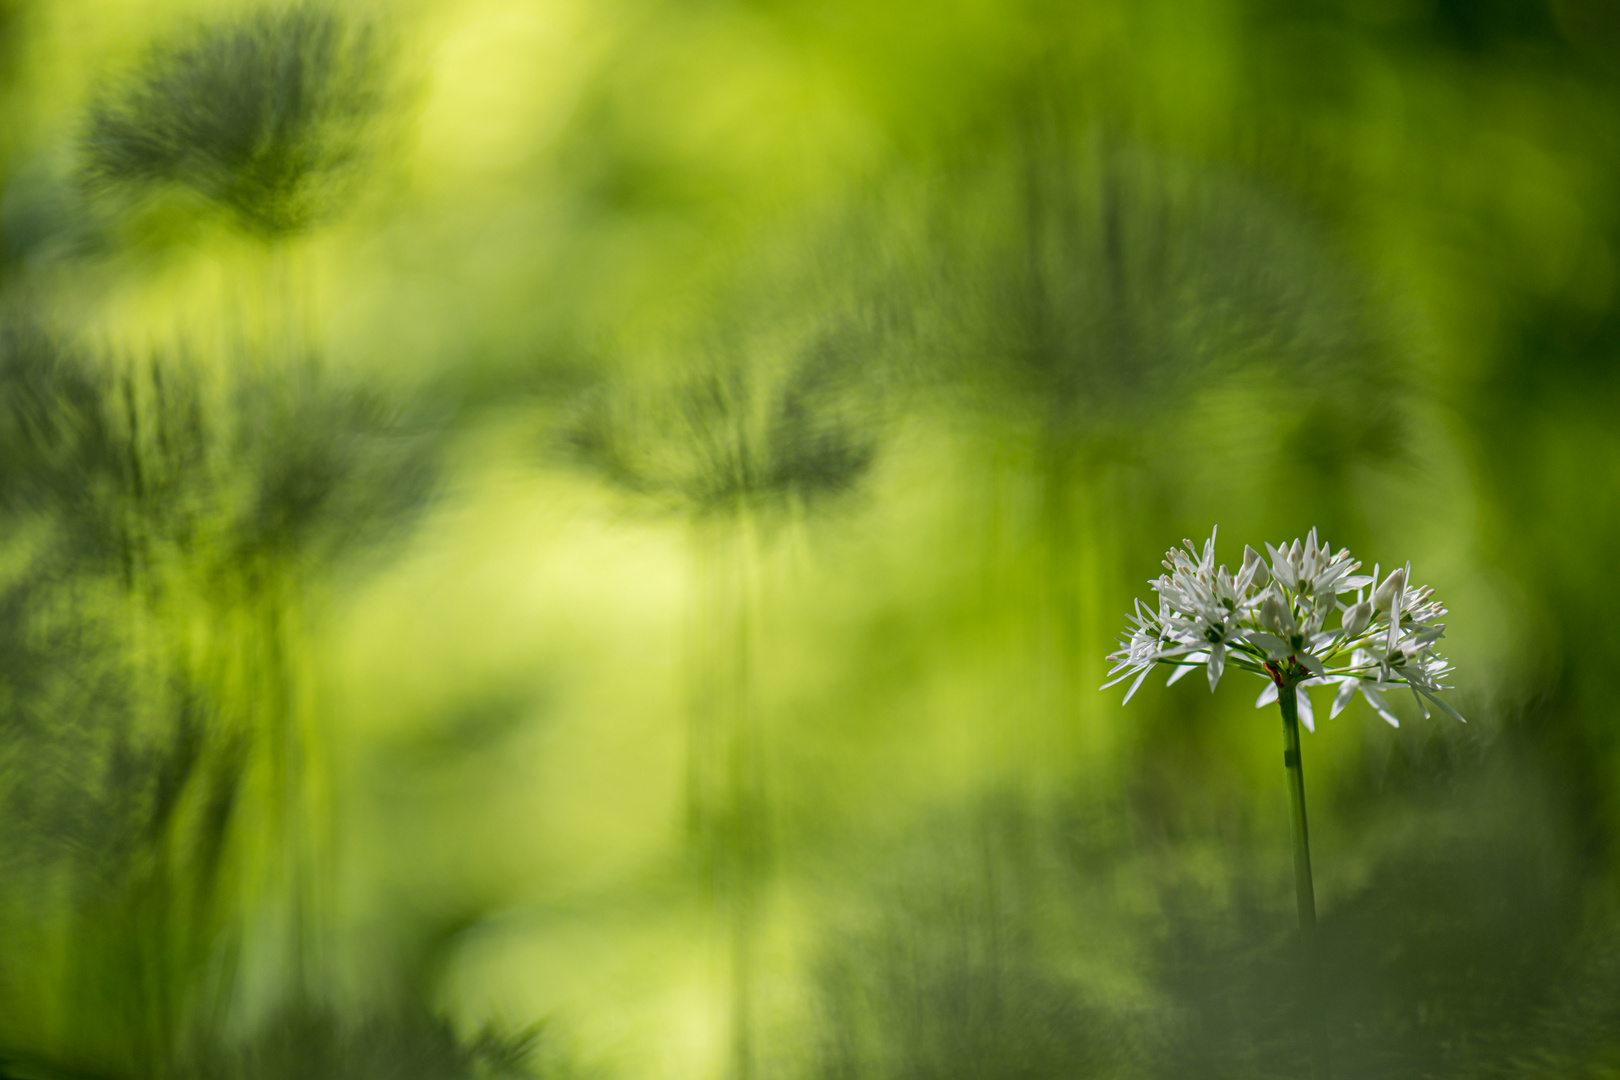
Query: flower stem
[(1304, 891)]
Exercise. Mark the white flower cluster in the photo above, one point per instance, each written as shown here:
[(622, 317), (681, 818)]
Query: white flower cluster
[(1273, 621)]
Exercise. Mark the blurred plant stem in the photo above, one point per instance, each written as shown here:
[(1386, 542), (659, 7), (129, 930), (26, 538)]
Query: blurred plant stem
[(295, 784), (1076, 502), (725, 786), (1304, 892)]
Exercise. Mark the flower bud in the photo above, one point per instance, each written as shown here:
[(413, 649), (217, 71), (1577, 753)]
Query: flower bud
[(1316, 615), (1276, 617), (1357, 617), (1392, 587), (1254, 567)]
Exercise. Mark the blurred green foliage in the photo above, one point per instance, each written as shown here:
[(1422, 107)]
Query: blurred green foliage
[(547, 538)]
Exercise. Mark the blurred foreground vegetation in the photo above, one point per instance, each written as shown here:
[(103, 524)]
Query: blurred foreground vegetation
[(544, 538)]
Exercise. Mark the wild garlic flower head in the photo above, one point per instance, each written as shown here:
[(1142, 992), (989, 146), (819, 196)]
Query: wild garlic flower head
[(1301, 616)]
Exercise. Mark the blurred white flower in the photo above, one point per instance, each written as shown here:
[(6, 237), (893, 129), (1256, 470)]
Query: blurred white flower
[(1273, 621)]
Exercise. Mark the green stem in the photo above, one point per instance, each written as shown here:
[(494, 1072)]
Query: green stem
[(1304, 891)]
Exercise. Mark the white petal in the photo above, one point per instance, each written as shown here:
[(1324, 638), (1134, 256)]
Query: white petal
[(1217, 664), (1267, 696), (1117, 678), (1276, 648), (1282, 567), (1347, 690), (1306, 715), (1135, 684), (1376, 700), (1181, 669), (1447, 708)]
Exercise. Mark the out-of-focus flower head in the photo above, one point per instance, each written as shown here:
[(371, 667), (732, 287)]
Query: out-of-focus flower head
[(264, 114)]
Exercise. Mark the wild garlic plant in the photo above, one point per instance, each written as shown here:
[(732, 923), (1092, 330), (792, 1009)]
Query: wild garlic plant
[(1274, 620)]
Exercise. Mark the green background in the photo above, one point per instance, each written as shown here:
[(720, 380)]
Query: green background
[(580, 538)]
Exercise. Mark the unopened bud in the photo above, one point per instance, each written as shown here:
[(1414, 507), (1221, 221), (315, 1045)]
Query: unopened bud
[(1277, 618), (1384, 597), (1357, 617), (1254, 567)]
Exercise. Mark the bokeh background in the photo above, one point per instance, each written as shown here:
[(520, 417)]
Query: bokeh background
[(578, 539)]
